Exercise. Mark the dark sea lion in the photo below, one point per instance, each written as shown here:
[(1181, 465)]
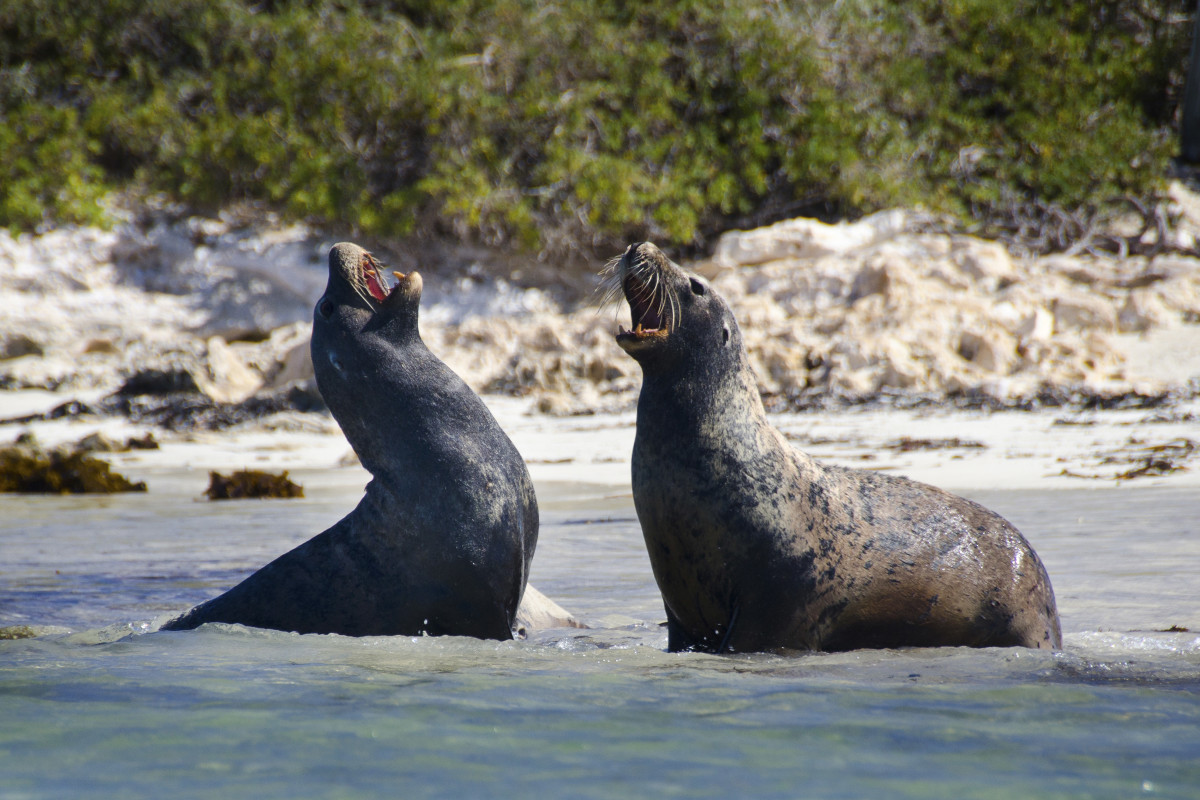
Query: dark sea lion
[(756, 546), (443, 539)]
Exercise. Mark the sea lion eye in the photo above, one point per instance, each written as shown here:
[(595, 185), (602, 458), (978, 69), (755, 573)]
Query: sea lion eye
[(325, 308), (697, 287), (725, 335)]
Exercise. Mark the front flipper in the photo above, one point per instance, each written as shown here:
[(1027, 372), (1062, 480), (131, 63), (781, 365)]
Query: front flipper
[(678, 640)]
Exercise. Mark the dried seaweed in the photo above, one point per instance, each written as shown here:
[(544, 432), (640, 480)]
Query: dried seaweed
[(251, 484), (27, 469)]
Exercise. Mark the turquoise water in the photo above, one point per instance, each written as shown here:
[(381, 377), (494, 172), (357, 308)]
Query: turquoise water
[(107, 711)]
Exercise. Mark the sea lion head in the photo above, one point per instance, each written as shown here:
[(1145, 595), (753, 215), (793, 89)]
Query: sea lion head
[(367, 353), (358, 294), (677, 318)]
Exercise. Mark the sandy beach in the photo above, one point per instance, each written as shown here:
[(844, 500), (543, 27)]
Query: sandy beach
[(956, 450)]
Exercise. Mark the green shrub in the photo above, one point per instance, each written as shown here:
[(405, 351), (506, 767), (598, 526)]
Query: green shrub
[(1043, 103), (47, 173), (577, 125)]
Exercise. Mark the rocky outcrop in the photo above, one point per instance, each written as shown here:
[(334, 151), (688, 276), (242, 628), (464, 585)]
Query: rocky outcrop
[(940, 314), (860, 310), (854, 310)]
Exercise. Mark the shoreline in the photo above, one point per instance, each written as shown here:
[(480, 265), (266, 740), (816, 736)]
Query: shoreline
[(877, 345), (961, 451)]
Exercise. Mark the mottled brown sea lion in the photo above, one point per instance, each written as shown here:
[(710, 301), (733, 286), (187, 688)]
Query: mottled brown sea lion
[(756, 546), (442, 541)]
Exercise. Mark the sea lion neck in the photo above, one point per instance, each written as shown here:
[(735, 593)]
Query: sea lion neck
[(378, 379), (711, 406), (391, 400)]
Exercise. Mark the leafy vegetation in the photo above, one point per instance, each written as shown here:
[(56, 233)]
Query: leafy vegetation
[(567, 126)]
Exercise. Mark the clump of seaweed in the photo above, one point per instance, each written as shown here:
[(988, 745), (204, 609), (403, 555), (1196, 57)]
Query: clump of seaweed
[(17, 632), (251, 484), (907, 445), (1144, 460), (25, 467), (99, 443)]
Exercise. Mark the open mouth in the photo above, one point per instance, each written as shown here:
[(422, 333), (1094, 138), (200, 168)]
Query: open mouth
[(374, 281), (650, 306)]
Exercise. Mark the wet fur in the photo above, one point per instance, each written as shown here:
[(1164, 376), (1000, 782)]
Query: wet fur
[(442, 541), (756, 546)]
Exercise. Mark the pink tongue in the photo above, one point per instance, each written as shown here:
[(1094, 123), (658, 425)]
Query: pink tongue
[(375, 289)]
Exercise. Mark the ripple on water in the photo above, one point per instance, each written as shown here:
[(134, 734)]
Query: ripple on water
[(227, 710)]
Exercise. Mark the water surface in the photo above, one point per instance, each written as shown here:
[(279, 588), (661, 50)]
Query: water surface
[(227, 711)]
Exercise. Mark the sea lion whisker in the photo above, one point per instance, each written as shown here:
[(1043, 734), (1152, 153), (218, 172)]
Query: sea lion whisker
[(666, 301), (610, 266), (358, 282), (647, 298), (675, 310), (361, 291), (660, 295), (611, 292), (667, 304), (376, 269), (610, 289)]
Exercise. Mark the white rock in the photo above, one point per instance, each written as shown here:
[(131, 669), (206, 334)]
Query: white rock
[(1142, 311), (805, 238), (1081, 311), (228, 379), (296, 365), (994, 351), (861, 381), (900, 369), (538, 612), (1185, 203), (987, 262), (1037, 325), (1182, 295)]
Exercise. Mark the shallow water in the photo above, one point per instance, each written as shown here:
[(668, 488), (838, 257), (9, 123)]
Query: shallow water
[(229, 711)]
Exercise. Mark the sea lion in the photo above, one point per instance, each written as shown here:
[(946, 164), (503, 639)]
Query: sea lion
[(442, 541), (756, 546)]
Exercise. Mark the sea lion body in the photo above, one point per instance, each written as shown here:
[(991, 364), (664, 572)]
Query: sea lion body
[(756, 546), (442, 541)]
